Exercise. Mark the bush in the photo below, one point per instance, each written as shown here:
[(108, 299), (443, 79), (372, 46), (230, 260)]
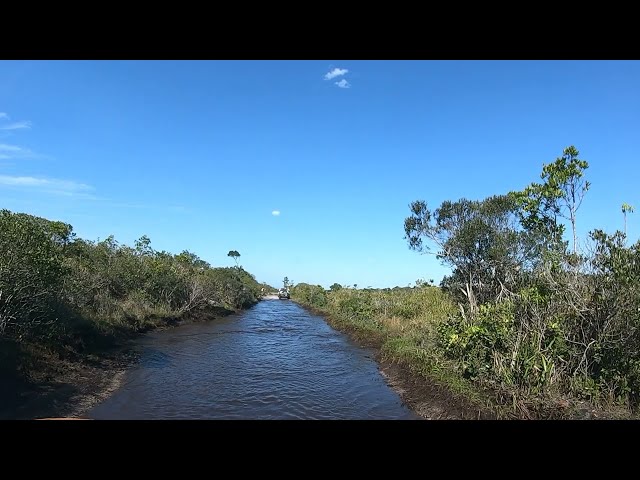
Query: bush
[(52, 283), (31, 275)]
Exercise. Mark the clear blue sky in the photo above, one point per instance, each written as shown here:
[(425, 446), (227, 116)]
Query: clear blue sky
[(197, 155)]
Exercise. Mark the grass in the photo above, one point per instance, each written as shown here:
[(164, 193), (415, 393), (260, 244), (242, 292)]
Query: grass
[(403, 325)]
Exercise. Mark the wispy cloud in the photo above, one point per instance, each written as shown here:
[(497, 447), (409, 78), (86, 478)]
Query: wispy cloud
[(336, 72), (57, 186), (4, 147), (49, 185), (15, 151), (16, 125), (343, 84), (275, 213)]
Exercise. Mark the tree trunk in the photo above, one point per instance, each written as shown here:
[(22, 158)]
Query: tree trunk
[(573, 227)]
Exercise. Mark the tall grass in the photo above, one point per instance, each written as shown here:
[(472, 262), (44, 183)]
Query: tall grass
[(403, 322), (486, 361)]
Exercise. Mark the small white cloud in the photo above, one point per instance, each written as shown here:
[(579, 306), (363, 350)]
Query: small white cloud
[(16, 125), (4, 115), (52, 185), (336, 72), (343, 84), (275, 213)]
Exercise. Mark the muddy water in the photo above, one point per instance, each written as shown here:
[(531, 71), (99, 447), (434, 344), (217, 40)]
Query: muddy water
[(274, 361)]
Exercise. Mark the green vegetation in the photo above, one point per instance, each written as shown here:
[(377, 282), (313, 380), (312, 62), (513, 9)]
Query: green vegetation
[(403, 322), (67, 295), (524, 324)]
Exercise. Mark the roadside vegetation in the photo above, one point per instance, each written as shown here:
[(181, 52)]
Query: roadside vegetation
[(63, 296), (528, 324)]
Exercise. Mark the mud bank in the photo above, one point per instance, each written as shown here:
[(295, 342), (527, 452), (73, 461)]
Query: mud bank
[(70, 387)]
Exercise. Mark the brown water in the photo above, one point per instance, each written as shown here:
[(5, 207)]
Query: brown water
[(274, 361)]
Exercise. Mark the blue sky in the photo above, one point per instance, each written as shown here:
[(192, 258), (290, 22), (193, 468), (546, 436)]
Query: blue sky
[(198, 155)]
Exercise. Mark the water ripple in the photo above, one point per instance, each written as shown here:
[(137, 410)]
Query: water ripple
[(275, 361)]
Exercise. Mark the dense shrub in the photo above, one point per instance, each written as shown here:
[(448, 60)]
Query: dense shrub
[(53, 285)]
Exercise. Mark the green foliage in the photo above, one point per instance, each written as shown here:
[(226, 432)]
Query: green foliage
[(516, 344), (56, 286), (355, 304), (560, 323), (231, 287), (474, 344), (560, 194), (372, 305), (31, 272), (313, 295), (60, 233), (613, 329), (335, 287), (563, 180), (480, 240)]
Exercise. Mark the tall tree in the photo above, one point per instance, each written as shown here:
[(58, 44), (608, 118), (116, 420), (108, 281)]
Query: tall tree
[(478, 239), (560, 195), (235, 255), (626, 208), (564, 181)]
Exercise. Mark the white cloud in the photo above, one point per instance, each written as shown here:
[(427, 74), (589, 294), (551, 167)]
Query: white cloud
[(343, 84), (275, 213), (4, 115), (336, 72), (4, 147), (14, 151), (16, 125), (51, 185)]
